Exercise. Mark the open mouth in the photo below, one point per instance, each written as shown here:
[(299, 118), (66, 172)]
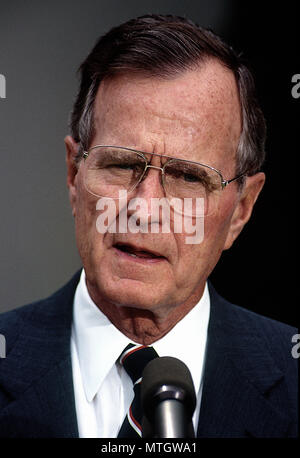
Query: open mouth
[(137, 252)]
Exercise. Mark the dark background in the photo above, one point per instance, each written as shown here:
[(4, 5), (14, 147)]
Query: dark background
[(260, 271), (42, 44)]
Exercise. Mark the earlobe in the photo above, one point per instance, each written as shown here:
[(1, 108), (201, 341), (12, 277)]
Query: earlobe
[(244, 207), (71, 152)]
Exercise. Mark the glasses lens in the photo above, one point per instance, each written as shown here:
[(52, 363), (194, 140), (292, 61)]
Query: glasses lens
[(109, 170), (197, 188)]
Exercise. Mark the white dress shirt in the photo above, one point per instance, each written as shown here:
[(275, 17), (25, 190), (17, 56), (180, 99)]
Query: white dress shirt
[(103, 390)]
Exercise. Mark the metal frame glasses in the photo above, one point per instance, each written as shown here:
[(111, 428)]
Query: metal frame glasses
[(142, 154)]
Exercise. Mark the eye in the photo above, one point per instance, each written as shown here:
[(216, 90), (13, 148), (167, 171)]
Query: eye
[(191, 178), (121, 162), (124, 166), (193, 175)]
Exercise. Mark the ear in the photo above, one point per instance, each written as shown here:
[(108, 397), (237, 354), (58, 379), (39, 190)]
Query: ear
[(71, 150), (244, 207)]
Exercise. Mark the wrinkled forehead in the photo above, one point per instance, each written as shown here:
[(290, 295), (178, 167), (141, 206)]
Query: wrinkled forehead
[(199, 108)]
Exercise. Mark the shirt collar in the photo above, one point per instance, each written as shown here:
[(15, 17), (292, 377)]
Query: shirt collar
[(99, 343)]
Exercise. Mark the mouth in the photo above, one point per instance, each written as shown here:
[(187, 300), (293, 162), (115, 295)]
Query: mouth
[(138, 254)]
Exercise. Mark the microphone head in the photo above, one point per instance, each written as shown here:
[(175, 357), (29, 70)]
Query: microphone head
[(167, 378)]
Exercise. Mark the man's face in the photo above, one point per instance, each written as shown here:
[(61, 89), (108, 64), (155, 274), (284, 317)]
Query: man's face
[(195, 116)]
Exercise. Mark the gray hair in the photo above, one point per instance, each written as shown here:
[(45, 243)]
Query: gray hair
[(165, 46)]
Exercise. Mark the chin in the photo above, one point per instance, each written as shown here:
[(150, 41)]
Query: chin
[(135, 294)]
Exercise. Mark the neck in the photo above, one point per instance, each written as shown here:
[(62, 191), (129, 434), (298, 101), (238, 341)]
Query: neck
[(144, 326)]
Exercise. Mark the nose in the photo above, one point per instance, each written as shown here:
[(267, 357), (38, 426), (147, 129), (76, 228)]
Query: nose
[(141, 209), (151, 184)]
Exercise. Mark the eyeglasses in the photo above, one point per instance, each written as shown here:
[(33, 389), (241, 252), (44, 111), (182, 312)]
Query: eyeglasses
[(110, 169)]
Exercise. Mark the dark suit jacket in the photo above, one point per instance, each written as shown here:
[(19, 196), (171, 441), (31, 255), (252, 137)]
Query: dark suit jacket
[(250, 382)]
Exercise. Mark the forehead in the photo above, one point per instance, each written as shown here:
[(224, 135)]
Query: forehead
[(195, 114)]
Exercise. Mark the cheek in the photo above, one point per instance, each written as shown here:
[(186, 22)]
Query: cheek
[(87, 236), (197, 260)]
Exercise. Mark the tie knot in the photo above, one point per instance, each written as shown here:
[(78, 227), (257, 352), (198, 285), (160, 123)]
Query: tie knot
[(135, 358)]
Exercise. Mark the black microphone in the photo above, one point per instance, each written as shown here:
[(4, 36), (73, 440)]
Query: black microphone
[(168, 399)]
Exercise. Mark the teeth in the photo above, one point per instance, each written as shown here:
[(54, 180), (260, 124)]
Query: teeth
[(133, 255)]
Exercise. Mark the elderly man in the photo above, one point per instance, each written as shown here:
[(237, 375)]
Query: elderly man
[(166, 113)]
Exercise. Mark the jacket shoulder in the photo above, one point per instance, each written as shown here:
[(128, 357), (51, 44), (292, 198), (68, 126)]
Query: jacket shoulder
[(275, 337), (37, 314)]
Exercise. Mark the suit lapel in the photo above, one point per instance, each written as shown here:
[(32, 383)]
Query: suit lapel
[(37, 372), (239, 374)]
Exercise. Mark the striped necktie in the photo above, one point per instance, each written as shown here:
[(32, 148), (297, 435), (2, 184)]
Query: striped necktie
[(134, 360)]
